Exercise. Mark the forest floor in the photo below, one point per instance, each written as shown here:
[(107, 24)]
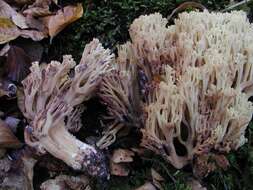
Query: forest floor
[(109, 22)]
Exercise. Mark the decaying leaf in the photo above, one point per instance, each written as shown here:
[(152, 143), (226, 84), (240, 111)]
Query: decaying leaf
[(36, 16), (64, 182), (58, 22), (185, 5), (39, 8), (38, 11), (157, 178), (7, 138), (33, 34), (8, 30), (146, 186), (8, 12), (4, 50), (122, 155), (17, 64)]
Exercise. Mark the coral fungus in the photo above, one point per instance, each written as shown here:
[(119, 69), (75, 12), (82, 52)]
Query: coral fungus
[(51, 93), (187, 86)]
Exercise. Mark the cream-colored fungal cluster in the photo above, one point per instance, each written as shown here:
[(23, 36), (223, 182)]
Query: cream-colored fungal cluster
[(189, 84), (52, 93)]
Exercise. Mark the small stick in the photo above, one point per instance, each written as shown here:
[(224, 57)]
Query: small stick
[(186, 5), (235, 5)]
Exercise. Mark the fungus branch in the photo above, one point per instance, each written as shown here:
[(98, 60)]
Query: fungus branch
[(50, 95), (195, 84)]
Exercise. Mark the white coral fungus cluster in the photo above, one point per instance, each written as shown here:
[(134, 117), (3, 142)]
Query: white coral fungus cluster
[(195, 79)]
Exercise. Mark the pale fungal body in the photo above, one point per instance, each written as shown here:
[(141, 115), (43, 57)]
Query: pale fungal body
[(195, 79), (50, 97)]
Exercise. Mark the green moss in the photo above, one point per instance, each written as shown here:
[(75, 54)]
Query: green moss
[(109, 22)]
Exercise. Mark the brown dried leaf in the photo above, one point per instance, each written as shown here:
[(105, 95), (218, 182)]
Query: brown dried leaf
[(8, 30), (8, 12), (156, 178), (186, 5), (122, 155), (17, 64), (43, 3), (36, 24), (4, 50), (58, 22), (33, 34), (37, 11), (7, 138), (147, 186)]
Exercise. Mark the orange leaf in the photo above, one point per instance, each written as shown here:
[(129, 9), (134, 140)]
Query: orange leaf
[(56, 23)]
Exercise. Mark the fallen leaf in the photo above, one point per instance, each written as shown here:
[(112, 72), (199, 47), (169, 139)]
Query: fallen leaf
[(185, 5), (156, 178), (58, 22), (37, 11), (7, 138), (43, 3), (147, 186), (8, 30), (17, 64), (8, 12), (36, 24), (33, 34), (4, 50)]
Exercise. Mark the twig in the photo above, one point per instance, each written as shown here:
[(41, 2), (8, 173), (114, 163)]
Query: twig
[(163, 166), (236, 5), (186, 5)]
